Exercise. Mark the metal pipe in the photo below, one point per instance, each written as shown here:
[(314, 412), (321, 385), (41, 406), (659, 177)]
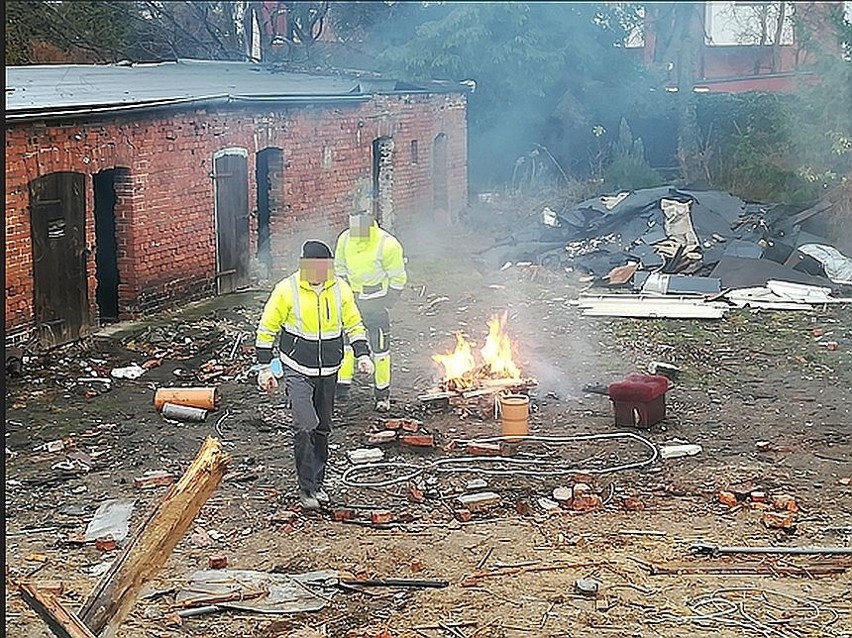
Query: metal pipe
[(395, 582), (708, 549)]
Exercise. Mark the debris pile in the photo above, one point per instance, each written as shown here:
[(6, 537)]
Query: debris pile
[(678, 247)]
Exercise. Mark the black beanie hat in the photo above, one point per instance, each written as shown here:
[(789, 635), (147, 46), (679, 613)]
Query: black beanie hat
[(316, 250)]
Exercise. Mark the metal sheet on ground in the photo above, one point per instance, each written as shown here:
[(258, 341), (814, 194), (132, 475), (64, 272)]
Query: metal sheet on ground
[(288, 593), (112, 519)]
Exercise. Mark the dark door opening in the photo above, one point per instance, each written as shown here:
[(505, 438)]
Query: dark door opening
[(106, 255), (440, 194), (269, 177), (383, 181), (58, 227), (230, 172)]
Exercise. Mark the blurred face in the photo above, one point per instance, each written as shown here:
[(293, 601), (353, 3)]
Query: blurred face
[(315, 271), (359, 225)]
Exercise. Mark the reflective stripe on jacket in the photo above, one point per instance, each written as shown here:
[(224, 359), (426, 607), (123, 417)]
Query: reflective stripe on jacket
[(371, 264), (311, 325)]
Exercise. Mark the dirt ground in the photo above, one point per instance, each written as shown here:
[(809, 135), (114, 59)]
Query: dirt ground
[(750, 378)]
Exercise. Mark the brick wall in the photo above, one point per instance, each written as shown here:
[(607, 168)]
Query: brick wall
[(165, 208)]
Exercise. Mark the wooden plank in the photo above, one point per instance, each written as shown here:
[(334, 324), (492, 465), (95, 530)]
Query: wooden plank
[(63, 622), (116, 593)]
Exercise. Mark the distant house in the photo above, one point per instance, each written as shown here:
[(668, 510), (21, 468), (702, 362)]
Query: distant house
[(747, 46), (130, 188)]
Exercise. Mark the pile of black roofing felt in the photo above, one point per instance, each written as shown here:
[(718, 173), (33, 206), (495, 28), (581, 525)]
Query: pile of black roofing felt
[(739, 243)]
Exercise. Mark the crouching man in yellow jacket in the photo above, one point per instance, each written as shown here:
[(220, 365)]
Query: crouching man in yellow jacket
[(309, 312), (371, 260)]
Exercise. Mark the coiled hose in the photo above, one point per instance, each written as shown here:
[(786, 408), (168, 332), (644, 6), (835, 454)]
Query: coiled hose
[(507, 466)]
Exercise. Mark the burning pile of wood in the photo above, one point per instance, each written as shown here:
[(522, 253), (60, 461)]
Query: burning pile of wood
[(467, 376)]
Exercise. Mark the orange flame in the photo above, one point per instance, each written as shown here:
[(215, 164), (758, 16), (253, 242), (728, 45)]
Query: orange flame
[(461, 368), (497, 352), (459, 363)]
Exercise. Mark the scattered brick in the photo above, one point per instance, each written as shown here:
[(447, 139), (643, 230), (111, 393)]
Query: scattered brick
[(381, 517), (416, 495), (410, 425), (785, 502), (586, 502), (633, 504), (418, 440), (217, 561), (105, 544), (484, 449), (523, 508), (463, 515), (758, 496), (779, 520), (385, 436), (343, 514), (417, 566), (728, 498)]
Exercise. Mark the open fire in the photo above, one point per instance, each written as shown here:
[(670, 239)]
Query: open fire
[(462, 369)]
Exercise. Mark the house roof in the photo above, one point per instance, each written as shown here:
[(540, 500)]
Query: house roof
[(57, 90)]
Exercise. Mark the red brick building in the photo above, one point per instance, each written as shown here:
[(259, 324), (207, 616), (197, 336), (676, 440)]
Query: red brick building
[(130, 188)]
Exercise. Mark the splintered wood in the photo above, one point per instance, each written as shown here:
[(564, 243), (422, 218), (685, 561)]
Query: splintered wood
[(111, 601), (62, 621), (118, 590)]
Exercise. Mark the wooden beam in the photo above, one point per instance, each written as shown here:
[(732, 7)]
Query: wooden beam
[(113, 598), (63, 622)]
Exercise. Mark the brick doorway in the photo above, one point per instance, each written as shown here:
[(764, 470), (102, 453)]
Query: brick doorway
[(440, 190), (269, 178), (106, 186), (58, 228)]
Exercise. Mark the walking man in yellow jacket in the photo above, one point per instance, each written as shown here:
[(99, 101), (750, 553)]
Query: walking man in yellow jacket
[(371, 260), (309, 313)]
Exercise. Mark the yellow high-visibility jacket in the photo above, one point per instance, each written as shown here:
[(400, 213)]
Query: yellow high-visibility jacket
[(371, 264), (311, 325)]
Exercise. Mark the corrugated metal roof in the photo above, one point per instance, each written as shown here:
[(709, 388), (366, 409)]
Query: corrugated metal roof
[(67, 89)]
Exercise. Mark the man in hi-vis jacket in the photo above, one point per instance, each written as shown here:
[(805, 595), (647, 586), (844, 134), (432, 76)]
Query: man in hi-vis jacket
[(371, 260), (309, 312)]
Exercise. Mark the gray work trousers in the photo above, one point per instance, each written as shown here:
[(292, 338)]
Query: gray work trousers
[(312, 402)]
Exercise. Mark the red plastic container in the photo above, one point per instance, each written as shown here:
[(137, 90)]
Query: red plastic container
[(639, 400)]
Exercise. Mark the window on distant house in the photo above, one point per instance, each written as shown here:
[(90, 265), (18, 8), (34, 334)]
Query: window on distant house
[(414, 156), (749, 23)]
